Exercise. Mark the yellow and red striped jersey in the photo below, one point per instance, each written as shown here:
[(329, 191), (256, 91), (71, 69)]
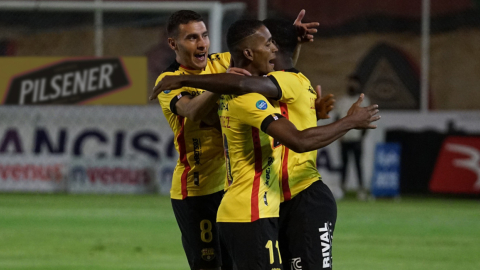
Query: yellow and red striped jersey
[(252, 159), (200, 168), (297, 103)]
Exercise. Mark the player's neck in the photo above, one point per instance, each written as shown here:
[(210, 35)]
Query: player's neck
[(283, 63), (184, 64), (248, 66)]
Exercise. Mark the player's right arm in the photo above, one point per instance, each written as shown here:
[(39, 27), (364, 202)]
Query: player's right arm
[(229, 84), (182, 103), (317, 137)]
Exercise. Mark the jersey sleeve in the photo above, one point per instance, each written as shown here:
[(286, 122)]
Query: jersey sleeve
[(168, 99), (254, 109), (225, 58), (288, 85), (222, 59)]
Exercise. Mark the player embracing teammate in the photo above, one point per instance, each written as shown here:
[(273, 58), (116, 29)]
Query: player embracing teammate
[(270, 137)]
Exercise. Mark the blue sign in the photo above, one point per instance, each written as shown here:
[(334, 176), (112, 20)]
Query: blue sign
[(386, 173)]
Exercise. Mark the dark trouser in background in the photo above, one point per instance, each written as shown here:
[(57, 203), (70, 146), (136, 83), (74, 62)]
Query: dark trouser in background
[(356, 148)]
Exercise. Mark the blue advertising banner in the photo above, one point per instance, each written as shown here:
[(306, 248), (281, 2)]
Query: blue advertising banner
[(386, 173)]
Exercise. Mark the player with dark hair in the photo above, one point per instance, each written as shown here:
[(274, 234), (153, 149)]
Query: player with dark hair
[(199, 177), (251, 48)]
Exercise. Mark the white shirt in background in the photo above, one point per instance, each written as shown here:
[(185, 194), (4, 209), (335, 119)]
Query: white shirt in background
[(342, 105)]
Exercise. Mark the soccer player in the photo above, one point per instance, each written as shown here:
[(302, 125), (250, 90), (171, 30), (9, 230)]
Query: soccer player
[(250, 45), (199, 177)]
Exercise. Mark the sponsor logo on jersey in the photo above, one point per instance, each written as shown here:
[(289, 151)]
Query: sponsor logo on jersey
[(197, 148), (167, 91), (214, 57), (326, 240), (68, 82), (208, 254), (268, 171), (458, 166), (227, 160), (262, 105), (296, 264)]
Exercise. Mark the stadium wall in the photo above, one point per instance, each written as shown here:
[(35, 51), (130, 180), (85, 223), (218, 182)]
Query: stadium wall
[(327, 61), (129, 149)]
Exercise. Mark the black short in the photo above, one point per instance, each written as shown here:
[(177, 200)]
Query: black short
[(253, 245), (307, 223), (196, 218)]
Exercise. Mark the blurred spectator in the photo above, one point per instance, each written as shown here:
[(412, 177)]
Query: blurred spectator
[(352, 141)]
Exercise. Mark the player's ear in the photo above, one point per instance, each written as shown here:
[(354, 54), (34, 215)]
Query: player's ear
[(248, 53), (172, 43)]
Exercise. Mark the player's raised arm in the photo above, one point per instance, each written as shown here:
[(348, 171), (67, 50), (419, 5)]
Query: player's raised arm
[(317, 137), (220, 84)]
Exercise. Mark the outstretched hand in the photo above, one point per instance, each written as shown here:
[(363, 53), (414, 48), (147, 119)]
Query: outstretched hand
[(363, 116), (305, 30), (167, 83), (323, 105)]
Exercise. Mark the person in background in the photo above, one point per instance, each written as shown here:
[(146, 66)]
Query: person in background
[(352, 141)]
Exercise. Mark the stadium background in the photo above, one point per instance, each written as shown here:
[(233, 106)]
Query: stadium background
[(419, 60)]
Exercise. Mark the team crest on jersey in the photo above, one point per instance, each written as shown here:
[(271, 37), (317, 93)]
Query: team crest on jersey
[(167, 91), (262, 105), (208, 254)]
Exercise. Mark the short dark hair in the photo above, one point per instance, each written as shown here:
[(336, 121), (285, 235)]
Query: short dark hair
[(283, 33), (240, 30), (181, 17)]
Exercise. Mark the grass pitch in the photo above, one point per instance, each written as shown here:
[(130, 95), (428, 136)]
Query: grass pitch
[(139, 232)]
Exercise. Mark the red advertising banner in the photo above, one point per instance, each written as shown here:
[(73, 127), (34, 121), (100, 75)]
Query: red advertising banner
[(458, 166)]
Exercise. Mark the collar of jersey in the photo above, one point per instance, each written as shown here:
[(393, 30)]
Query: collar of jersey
[(294, 70), (189, 70)]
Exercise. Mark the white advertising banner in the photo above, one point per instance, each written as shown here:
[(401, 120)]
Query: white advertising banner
[(32, 174), (129, 149), (111, 176), (94, 149)]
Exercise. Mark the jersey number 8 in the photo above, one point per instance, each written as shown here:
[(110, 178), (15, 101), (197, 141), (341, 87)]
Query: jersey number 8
[(206, 227)]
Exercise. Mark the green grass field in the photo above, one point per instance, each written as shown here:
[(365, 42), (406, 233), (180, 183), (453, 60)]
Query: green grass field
[(140, 232)]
